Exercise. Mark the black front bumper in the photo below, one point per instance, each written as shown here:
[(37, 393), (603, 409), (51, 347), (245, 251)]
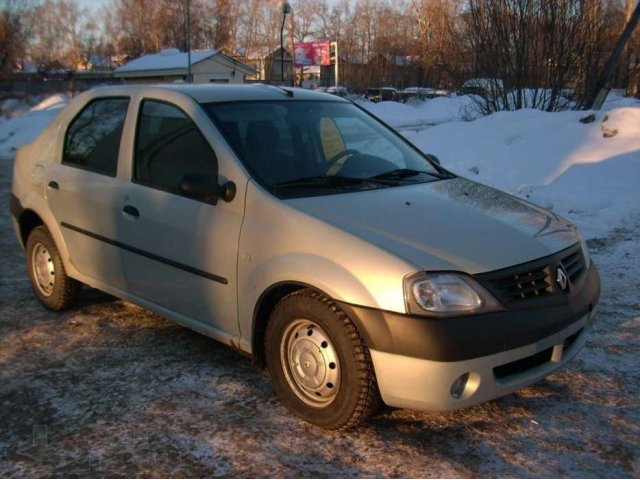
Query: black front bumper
[(462, 338)]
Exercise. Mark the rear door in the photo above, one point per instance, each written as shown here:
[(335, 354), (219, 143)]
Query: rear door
[(180, 253), (83, 191)]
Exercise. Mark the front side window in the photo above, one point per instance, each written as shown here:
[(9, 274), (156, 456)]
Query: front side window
[(169, 147), (93, 138), (308, 148)]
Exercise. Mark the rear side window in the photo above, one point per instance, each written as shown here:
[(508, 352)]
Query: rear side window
[(168, 147), (93, 138)]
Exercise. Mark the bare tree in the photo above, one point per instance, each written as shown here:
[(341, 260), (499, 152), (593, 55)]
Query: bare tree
[(59, 35), (532, 48), (542, 50), (438, 48), (14, 31), (633, 56)]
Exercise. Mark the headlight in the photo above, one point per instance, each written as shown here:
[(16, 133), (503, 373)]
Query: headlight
[(447, 294), (585, 252)]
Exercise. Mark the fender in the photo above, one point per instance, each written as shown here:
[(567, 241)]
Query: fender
[(320, 273)]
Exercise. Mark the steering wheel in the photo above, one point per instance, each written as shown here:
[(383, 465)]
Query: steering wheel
[(335, 165)]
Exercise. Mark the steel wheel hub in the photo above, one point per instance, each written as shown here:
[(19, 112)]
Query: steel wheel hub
[(310, 363), (43, 269)]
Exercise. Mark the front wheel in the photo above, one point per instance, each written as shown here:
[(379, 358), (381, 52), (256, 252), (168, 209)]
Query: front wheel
[(50, 282), (318, 362)]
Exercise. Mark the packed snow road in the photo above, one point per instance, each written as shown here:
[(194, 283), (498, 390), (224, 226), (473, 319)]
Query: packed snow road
[(109, 389)]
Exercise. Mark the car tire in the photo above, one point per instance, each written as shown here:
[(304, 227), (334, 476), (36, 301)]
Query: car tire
[(318, 362), (49, 280)]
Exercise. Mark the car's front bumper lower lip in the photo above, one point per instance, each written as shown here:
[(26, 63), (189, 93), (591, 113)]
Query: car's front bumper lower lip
[(421, 384)]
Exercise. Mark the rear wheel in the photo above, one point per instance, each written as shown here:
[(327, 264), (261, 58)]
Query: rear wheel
[(318, 362), (47, 275)]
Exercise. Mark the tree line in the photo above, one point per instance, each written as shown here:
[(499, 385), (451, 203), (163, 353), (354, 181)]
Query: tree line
[(543, 51)]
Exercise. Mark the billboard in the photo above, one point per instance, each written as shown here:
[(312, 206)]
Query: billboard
[(306, 54)]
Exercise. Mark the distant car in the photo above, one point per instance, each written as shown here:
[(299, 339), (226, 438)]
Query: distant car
[(385, 94), (300, 230), (419, 94), (482, 86), (340, 91)]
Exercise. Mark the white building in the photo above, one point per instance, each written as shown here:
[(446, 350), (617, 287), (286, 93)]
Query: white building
[(170, 65)]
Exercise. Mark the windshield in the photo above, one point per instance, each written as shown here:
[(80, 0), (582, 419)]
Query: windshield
[(307, 148)]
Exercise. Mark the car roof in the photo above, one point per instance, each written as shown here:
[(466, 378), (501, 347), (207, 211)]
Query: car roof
[(205, 93)]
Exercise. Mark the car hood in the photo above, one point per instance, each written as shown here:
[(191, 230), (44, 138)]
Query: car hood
[(453, 224)]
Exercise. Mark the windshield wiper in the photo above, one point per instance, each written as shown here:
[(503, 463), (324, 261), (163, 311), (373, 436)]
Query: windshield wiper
[(326, 181), (404, 173)]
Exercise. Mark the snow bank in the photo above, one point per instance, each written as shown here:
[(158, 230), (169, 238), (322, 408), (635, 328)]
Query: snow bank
[(426, 113), (24, 129), (12, 107), (617, 99), (448, 109), (395, 114), (587, 172), (52, 102)]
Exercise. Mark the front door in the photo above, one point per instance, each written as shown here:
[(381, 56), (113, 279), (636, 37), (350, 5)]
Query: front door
[(179, 253)]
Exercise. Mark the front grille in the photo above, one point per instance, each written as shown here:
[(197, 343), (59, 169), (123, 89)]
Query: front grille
[(534, 280), (574, 265), (536, 283)]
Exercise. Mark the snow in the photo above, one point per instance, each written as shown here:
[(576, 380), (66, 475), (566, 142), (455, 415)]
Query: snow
[(24, 128), (430, 112), (169, 59), (53, 102), (12, 107)]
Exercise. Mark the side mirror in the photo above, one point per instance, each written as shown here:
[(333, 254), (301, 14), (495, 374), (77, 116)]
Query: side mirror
[(433, 158), (206, 188)]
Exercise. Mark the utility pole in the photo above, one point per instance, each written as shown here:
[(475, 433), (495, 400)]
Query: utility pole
[(603, 85), (335, 67), (189, 41), (292, 25)]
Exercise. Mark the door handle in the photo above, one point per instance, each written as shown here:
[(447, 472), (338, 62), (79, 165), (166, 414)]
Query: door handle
[(131, 211), (54, 185)]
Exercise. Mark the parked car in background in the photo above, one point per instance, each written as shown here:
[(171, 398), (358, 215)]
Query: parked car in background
[(384, 94), (300, 230), (341, 91), (482, 86), (419, 94), (415, 94)]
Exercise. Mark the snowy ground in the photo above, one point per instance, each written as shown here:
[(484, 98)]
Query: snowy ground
[(109, 389), (25, 128)]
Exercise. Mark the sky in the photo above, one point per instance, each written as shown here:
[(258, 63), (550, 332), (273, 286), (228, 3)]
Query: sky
[(93, 4)]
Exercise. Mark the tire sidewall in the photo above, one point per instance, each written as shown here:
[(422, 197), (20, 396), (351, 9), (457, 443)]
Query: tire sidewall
[(42, 235), (338, 412)]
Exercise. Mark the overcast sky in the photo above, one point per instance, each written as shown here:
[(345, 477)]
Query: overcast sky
[(94, 4)]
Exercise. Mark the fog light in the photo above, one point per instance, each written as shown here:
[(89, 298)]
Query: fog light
[(459, 385)]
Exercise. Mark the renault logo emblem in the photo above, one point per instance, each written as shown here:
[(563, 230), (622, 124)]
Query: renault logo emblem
[(561, 279)]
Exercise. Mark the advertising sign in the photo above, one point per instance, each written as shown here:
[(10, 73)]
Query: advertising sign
[(312, 53)]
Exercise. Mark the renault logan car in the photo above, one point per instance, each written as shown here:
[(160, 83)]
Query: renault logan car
[(297, 228)]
